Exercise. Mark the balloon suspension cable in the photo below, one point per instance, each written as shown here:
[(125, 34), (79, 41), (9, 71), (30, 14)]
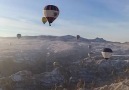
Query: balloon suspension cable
[(49, 24)]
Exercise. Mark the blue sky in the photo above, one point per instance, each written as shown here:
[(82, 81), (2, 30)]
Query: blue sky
[(108, 19)]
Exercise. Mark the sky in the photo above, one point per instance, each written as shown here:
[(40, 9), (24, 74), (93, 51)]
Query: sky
[(108, 19)]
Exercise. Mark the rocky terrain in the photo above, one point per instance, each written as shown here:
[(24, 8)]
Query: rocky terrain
[(27, 63)]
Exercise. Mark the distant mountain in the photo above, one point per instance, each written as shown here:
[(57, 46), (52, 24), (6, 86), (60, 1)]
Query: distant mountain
[(64, 38), (59, 38), (126, 43), (98, 40)]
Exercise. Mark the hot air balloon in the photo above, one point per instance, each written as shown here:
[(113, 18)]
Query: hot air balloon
[(107, 53), (51, 12), (18, 36), (44, 20), (78, 36)]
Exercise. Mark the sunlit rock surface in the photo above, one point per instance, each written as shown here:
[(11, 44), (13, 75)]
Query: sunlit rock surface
[(33, 58)]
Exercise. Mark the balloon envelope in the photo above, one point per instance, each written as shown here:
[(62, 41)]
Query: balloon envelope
[(44, 20), (18, 36), (107, 53), (78, 36), (51, 12)]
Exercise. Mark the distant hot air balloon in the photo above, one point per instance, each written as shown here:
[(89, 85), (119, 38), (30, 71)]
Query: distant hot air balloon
[(107, 53), (51, 12), (78, 36), (18, 36), (44, 20)]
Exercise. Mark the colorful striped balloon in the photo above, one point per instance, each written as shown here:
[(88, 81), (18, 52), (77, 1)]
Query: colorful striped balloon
[(51, 12)]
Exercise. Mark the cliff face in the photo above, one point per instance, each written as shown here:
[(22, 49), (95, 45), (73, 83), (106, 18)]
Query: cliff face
[(28, 63), (25, 80), (98, 73), (124, 85)]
